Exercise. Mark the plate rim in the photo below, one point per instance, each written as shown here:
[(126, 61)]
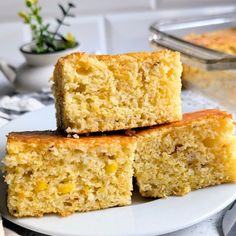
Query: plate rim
[(150, 233)]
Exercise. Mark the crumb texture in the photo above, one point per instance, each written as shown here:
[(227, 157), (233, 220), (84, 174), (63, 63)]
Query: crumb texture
[(48, 173), (104, 93), (197, 152)]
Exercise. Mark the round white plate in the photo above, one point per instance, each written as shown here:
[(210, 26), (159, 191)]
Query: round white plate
[(143, 217)]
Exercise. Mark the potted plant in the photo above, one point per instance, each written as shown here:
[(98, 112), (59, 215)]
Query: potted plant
[(43, 51)]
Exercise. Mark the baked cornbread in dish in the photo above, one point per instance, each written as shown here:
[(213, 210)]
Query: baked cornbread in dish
[(220, 40), (49, 173), (196, 152), (224, 81), (114, 92)]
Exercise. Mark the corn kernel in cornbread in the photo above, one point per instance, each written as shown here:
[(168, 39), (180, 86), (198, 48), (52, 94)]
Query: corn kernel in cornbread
[(196, 152), (104, 93), (40, 186), (49, 173)]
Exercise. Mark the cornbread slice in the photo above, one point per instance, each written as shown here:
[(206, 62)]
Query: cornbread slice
[(196, 152), (49, 173), (210, 81), (103, 93)]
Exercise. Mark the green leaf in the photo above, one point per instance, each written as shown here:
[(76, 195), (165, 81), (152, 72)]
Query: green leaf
[(28, 3), (24, 17), (36, 11), (39, 19), (62, 9), (45, 27), (72, 5), (45, 40), (60, 22), (33, 27)]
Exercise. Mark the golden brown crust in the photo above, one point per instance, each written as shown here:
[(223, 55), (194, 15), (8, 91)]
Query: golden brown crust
[(41, 136), (54, 136), (189, 118), (203, 114), (129, 55)]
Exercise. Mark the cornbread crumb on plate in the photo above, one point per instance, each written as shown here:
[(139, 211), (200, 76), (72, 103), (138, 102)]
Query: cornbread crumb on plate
[(104, 93), (196, 152), (49, 173)]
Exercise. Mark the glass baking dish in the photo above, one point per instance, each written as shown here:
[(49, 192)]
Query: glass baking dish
[(209, 71)]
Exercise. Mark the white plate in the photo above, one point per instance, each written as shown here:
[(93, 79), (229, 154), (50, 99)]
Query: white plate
[(143, 217)]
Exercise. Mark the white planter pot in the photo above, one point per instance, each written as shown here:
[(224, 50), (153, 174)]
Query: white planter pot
[(34, 75)]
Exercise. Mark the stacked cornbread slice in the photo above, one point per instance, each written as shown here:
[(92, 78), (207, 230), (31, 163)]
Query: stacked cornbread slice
[(93, 94), (195, 152), (75, 169), (106, 93), (50, 173)]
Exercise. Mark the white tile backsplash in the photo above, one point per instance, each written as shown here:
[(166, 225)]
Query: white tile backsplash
[(9, 8), (50, 8), (130, 31), (90, 33), (12, 36), (105, 6), (181, 4)]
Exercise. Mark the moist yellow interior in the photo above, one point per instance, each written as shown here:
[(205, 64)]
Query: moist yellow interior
[(176, 160), (127, 91), (64, 178)]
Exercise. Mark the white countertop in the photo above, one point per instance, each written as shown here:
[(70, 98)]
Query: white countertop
[(209, 227)]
